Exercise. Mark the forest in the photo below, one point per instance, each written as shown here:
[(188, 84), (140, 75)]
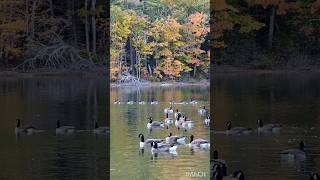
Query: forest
[(160, 39), (157, 39), (48, 35), (266, 34)]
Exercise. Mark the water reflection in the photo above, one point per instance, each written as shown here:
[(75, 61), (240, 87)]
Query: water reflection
[(128, 120), (293, 100), (40, 102)]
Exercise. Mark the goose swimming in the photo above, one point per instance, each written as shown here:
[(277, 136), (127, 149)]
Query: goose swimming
[(29, 129), (144, 143), (64, 129), (100, 130)]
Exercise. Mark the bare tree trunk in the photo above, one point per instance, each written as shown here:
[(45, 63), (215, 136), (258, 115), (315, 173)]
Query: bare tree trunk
[(74, 27), (27, 17), (87, 30), (51, 8), (33, 15), (271, 26), (94, 32)]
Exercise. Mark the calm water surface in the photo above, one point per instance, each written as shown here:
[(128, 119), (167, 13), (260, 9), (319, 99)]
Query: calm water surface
[(290, 99), (127, 121), (40, 102)]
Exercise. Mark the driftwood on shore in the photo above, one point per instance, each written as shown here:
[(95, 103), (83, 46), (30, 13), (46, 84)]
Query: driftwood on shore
[(128, 79), (55, 57)]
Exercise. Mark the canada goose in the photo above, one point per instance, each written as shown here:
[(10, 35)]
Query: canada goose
[(294, 154), (187, 123), (168, 120), (193, 101), (198, 143), (218, 174), (100, 130), (64, 129), (175, 139), (177, 113), (218, 164), (202, 110), (143, 142), (116, 101), (268, 127), (182, 103), (25, 130), (314, 176), (129, 102), (237, 130), (168, 110), (142, 102), (155, 147), (207, 121), (172, 102), (154, 124), (154, 102)]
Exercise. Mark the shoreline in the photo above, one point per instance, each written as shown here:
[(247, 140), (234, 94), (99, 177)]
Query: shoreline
[(12, 74), (203, 83), (226, 69)]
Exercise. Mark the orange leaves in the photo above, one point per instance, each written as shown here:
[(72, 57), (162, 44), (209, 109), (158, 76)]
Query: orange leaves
[(170, 68), (198, 24)]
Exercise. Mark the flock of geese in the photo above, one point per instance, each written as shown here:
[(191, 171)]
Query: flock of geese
[(219, 167), (170, 143), (30, 129)]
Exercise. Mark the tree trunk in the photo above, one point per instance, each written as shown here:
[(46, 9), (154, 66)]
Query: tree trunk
[(94, 32), (131, 55), (87, 30), (27, 17), (74, 25), (51, 8), (271, 26), (33, 15)]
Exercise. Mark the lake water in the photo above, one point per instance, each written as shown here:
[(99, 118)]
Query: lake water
[(40, 102), (127, 121), (292, 100)]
